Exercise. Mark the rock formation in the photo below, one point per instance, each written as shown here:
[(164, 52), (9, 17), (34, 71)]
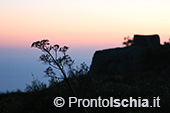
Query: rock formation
[(124, 60), (146, 40)]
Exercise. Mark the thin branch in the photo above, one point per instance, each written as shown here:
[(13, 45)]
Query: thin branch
[(62, 71), (43, 45), (53, 66)]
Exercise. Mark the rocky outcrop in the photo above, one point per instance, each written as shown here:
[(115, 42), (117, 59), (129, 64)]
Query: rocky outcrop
[(124, 60), (146, 40)]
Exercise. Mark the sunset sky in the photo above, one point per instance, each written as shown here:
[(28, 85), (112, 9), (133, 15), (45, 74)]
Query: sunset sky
[(86, 25), (81, 22)]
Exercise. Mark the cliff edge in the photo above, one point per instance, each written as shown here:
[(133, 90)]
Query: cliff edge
[(146, 53)]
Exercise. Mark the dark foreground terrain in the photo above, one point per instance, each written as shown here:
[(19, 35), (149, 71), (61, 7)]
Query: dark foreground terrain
[(143, 85)]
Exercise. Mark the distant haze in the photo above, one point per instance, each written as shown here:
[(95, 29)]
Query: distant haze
[(17, 66)]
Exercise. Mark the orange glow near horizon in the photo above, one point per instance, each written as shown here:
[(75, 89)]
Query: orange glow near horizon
[(81, 23)]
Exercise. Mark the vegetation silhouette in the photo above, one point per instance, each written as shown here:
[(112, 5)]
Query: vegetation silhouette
[(56, 61), (152, 82), (36, 85), (128, 41)]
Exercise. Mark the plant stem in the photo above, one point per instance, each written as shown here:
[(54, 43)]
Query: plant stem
[(65, 76)]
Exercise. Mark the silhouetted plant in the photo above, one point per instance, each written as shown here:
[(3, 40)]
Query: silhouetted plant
[(51, 57), (35, 86), (82, 70), (60, 62), (128, 41), (167, 43)]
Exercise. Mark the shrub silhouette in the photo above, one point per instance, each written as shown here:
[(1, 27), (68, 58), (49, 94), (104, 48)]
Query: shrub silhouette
[(54, 60), (35, 86), (128, 41), (60, 62)]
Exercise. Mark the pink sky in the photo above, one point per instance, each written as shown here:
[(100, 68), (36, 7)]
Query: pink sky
[(80, 23)]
